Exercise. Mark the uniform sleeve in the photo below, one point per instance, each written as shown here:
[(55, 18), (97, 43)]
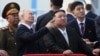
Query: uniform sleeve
[(2, 39)]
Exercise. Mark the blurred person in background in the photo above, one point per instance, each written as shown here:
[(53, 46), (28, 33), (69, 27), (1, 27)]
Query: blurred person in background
[(89, 13), (44, 19), (70, 15)]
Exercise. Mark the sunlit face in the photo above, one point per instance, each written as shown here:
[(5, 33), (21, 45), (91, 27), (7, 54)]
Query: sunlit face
[(79, 11), (28, 16), (60, 19), (13, 18)]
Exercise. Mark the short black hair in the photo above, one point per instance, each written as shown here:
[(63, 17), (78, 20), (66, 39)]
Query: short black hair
[(57, 2), (88, 6), (69, 5), (58, 11), (74, 4)]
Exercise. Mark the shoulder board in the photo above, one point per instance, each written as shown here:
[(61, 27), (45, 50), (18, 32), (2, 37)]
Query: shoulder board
[(4, 28)]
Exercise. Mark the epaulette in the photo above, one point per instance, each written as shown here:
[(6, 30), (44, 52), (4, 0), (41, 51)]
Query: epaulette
[(4, 28)]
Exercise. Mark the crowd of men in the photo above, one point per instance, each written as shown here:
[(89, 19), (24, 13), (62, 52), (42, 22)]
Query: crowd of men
[(54, 32)]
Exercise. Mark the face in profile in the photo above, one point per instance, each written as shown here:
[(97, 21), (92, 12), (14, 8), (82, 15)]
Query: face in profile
[(79, 11), (13, 18), (28, 16), (60, 19)]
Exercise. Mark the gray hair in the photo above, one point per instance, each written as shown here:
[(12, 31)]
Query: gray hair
[(21, 13)]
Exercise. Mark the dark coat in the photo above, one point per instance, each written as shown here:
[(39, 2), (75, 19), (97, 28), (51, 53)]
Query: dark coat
[(25, 40), (41, 22), (91, 15), (70, 17), (97, 24), (7, 41), (56, 43), (44, 19), (90, 32)]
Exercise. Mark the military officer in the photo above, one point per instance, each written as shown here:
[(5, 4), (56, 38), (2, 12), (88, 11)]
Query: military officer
[(7, 41)]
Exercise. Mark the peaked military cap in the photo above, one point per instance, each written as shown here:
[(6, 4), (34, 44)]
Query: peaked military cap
[(10, 8)]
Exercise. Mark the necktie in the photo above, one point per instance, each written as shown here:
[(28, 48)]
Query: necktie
[(31, 30), (82, 28)]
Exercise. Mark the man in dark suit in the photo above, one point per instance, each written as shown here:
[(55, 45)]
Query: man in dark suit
[(63, 39), (89, 13), (25, 35), (84, 27), (45, 18)]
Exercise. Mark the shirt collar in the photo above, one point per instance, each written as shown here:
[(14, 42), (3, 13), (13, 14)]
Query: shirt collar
[(62, 31), (29, 27), (82, 21)]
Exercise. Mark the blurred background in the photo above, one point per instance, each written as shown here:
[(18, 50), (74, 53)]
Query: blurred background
[(42, 6)]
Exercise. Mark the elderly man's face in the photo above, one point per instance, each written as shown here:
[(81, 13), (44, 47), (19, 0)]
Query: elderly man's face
[(28, 16), (60, 19)]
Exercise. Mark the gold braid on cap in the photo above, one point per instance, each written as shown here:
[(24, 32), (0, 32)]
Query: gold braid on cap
[(11, 11)]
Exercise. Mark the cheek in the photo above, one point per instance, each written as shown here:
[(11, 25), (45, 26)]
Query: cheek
[(58, 20), (16, 20), (26, 19), (76, 13), (11, 19)]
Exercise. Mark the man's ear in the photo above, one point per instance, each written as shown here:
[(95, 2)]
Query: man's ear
[(72, 12), (51, 4), (8, 16), (22, 16), (54, 19)]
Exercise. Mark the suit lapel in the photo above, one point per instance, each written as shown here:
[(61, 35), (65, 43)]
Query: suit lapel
[(75, 24), (87, 26), (58, 34), (25, 27), (71, 40)]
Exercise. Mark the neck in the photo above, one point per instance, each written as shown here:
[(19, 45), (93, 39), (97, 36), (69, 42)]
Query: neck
[(61, 27), (81, 19), (29, 23), (54, 8), (15, 26)]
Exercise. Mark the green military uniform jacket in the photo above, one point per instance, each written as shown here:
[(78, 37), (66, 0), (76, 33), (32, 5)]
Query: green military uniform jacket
[(7, 41)]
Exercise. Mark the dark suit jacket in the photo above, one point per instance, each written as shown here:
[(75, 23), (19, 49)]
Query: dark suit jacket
[(70, 17), (91, 15), (56, 43), (97, 24), (41, 22), (25, 40), (90, 31), (44, 19)]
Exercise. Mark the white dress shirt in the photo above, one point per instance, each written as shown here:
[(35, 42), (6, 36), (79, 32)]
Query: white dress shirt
[(28, 26), (79, 24), (64, 33)]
